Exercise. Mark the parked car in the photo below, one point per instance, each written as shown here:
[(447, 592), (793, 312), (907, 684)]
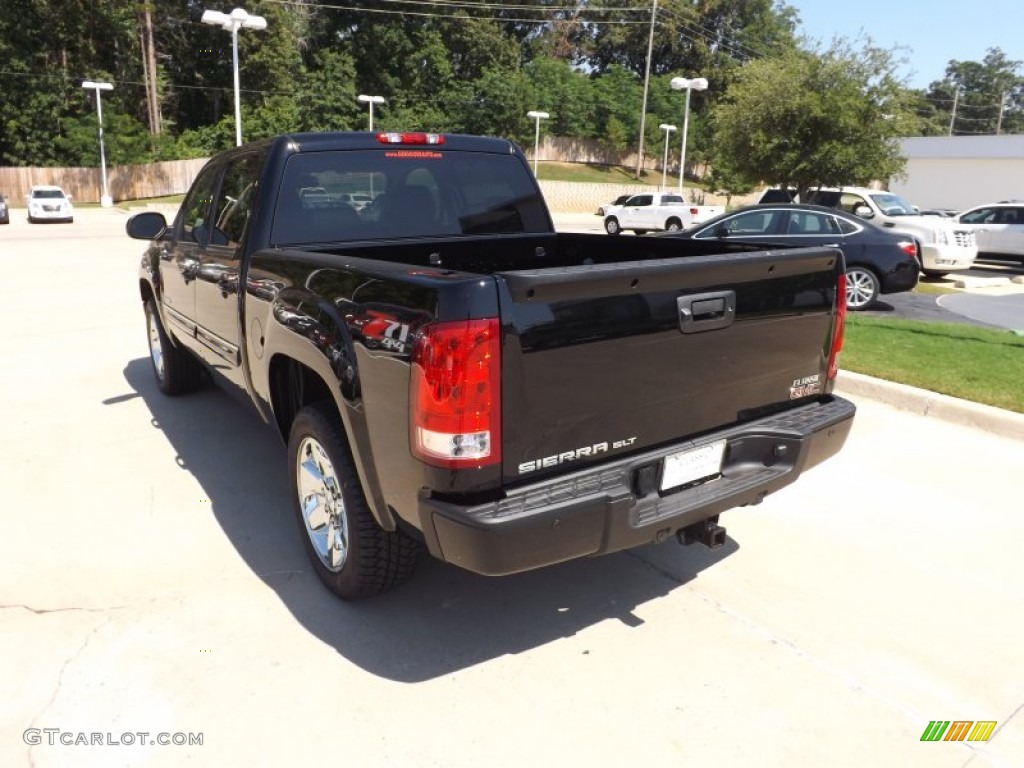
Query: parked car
[(657, 211), (998, 228), (877, 261), (5, 212), (944, 246), (356, 200), (49, 203), (604, 210)]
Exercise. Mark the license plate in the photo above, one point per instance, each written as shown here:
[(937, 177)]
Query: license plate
[(693, 465)]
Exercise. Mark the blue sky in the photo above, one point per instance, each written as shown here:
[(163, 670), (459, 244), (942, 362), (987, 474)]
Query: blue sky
[(932, 31)]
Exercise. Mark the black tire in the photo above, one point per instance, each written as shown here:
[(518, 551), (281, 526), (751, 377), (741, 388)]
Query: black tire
[(611, 226), (673, 225), (639, 231), (352, 555), (175, 370), (862, 288)]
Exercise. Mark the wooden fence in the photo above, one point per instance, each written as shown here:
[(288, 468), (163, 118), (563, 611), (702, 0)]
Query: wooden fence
[(85, 185)]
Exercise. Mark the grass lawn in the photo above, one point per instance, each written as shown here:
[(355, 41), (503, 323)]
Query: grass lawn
[(963, 361), (601, 174)]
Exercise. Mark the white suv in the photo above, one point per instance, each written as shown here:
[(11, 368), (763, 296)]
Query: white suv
[(945, 245), (48, 203), (999, 227)]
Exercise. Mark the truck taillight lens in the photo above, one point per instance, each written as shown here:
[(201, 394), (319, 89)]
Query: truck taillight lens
[(838, 327), (411, 137), (455, 394)]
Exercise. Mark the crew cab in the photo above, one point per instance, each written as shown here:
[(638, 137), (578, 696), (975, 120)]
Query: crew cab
[(656, 211), (451, 374)]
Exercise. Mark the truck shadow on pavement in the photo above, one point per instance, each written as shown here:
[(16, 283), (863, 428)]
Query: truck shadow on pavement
[(445, 619)]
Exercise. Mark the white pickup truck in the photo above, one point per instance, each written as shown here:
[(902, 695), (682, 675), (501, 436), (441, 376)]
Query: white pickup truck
[(945, 245), (657, 211)]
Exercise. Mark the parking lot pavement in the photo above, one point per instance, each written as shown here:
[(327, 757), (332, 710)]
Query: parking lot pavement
[(151, 580)]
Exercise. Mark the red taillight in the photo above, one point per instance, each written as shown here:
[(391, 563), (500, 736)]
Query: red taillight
[(410, 138), (455, 394), (838, 327), (694, 211), (909, 247)]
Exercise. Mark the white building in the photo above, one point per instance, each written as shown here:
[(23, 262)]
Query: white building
[(960, 172)]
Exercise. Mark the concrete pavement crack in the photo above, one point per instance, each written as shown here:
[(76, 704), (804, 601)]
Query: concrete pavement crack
[(41, 611), (1002, 724), (60, 678)]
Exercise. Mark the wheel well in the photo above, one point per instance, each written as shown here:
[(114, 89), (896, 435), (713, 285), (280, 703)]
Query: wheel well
[(145, 290), (675, 219), (292, 387)]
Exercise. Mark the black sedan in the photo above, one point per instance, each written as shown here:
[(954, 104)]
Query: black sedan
[(877, 261)]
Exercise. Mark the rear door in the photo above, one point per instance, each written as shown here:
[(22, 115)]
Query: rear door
[(1007, 234), (599, 362)]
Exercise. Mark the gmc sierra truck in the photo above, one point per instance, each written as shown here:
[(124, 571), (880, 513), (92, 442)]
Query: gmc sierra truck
[(450, 373)]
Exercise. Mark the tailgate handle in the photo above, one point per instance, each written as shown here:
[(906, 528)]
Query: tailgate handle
[(706, 311)]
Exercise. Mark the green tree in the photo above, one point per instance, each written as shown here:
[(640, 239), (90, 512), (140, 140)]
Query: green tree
[(807, 119), (988, 96)]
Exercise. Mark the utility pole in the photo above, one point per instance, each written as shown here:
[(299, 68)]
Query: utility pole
[(1002, 106), (956, 97), (149, 70), (647, 80)]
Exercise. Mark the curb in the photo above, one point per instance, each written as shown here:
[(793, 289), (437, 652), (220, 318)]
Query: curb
[(923, 402)]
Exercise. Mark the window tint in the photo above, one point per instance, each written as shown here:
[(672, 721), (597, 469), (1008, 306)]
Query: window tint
[(640, 200), (413, 193), (195, 211), (672, 199), (1009, 216), (811, 223), (847, 227), (235, 200), (747, 224), (849, 202), (980, 216)]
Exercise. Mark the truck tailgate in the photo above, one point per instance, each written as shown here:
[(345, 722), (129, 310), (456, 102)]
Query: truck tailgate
[(600, 361)]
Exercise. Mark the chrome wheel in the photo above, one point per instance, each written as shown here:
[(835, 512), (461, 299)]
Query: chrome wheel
[(322, 504), (861, 288), (674, 225), (156, 347), (611, 225)]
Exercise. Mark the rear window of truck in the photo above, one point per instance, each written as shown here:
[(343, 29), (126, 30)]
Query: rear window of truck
[(412, 193)]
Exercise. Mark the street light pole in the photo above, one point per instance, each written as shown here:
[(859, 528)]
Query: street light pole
[(105, 200), (679, 84), (371, 100), (664, 164), (537, 116), (232, 22)]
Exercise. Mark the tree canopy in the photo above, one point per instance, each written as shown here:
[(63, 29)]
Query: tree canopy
[(804, 120), (457, 66)]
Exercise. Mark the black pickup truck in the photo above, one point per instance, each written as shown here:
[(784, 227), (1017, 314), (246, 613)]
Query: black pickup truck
[(449, 372)]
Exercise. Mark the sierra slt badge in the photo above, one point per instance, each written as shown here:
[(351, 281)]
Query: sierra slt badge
[(586, 451)]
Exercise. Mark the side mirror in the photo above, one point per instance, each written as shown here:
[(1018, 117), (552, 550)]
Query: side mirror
[(146, 226), (864, 212)]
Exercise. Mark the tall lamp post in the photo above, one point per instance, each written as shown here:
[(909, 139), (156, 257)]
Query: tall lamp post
[(664, 164), (371, 100), (232, 22), (537, 116), (105, 200), (681, 84)]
